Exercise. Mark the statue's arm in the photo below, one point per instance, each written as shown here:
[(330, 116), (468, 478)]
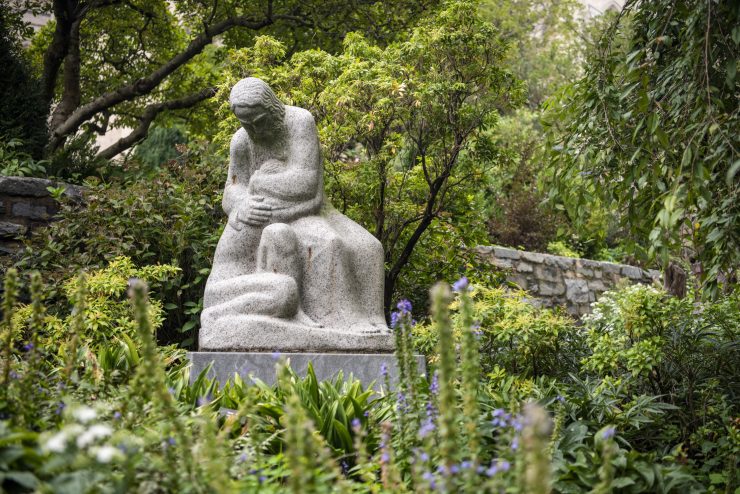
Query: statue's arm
[(235, 190), (301, 181)]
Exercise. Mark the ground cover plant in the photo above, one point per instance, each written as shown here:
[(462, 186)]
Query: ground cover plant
[(90, 403)]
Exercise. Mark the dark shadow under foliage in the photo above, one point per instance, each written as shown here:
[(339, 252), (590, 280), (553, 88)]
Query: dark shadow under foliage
[(22, 108)]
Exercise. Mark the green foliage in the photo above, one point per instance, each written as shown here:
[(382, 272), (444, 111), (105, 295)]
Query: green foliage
[(159, 146), (105, 318), (22, 109), (14, 162), (651, 131), (167, 215), (547, 42), (514, 336), (560, 249), (125, 415)]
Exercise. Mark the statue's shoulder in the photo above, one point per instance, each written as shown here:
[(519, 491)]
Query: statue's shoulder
[(299, 116)]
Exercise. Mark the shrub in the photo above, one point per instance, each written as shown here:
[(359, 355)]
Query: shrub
[(515, 335), (170, 215)]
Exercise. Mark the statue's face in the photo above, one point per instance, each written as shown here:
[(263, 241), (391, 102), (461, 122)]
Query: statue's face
[(257, 120)]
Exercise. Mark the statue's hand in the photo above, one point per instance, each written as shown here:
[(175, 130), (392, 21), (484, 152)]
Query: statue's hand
[(255, 212)]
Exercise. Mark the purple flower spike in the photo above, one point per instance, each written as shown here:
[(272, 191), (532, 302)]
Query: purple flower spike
[(515, 444), (356, 423), (608, 433), (395, 319), (404, 306), (384, 370), (460, 285)]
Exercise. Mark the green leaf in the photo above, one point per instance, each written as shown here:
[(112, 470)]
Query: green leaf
[(732, 172)]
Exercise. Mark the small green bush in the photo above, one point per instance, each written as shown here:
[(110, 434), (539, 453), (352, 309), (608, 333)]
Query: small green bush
[(170, 215)]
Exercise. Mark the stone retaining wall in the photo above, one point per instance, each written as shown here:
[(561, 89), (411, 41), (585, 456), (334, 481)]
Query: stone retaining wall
[(557, 280), (25, 204)]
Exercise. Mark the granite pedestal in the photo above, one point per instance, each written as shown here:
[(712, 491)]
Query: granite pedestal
[(365, 367)]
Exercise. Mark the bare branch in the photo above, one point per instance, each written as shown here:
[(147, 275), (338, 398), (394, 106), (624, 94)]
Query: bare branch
[(150, 113)]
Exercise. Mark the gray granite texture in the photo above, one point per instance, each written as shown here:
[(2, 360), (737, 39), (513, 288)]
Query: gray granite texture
[(27, 204), (364, 367), (556, 280), (290, 273)]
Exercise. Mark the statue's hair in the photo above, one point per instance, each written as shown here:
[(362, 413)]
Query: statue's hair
[(252, 89)]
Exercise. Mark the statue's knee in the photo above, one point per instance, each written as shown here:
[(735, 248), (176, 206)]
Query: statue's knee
[(280, 236)]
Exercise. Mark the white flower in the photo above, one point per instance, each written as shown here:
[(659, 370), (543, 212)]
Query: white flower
[(84, 414), (97, 431), (105, 454), (56, 443)]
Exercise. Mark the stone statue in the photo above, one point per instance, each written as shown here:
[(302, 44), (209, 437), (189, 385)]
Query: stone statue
[(290, 272)]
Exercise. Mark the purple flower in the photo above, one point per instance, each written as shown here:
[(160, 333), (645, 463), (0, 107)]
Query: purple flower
[(384, 370), (465, 465), (492, 470), (402, 403), (434, 386), (395, 319), (500, 418), (404, 306), (28, 347), (356, 424), (242, 457), (423, 456), (608, 433), (171, 390), (454, 469), (517, 424), (560, 398), (261, 479), (515, 443), (117, 415), (171, 441), (426, 429), (429, 477), (385, 458), (504, 465), (460, 285), (275, 355)]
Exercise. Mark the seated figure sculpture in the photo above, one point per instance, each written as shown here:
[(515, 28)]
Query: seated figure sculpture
[(290, 273)]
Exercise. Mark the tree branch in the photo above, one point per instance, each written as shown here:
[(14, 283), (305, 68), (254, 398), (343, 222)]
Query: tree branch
[(150, 113), (145, 84)]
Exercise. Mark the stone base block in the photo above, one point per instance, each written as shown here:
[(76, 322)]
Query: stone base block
[(253, 333), (363, 366)]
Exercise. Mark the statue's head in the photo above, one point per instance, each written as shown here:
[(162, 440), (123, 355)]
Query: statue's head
[(256, 106)]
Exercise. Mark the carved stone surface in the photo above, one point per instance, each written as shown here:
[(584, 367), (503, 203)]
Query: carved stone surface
[(290, 273)]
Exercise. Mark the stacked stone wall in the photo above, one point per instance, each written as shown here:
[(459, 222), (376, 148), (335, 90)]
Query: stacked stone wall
[(26, 204), (556, 280)]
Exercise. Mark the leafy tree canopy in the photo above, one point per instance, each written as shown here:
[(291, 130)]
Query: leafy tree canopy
[(116, 63), (652, 130), (402, 130)]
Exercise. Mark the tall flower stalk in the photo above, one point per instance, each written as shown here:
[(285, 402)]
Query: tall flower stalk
[(448, 449)]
